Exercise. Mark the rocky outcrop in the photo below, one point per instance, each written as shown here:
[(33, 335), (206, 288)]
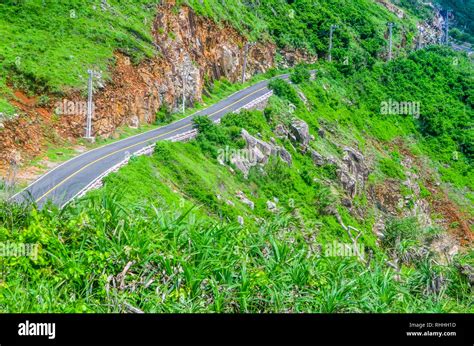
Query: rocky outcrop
[(257, 152), (281, 131), (285, 155), (431, 31), (353, 171), (297, 132), (317, 158), (272, 207), (291, 57), (191, 49), (300, 131)]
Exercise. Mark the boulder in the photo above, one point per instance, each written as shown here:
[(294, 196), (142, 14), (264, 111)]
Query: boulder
[(285, 155), (353, 171), (281, 131), (300, 131), (317, 158), (346, 202), (257, 152), (242, 164), (271, 206), (240, 195), (258, 149)]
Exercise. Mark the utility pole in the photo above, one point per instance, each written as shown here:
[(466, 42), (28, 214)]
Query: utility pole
[(184, 87), (420, 36), (446, 28), (10, 179), (89, 106), (331, 32), (390, 30), (244, 67)]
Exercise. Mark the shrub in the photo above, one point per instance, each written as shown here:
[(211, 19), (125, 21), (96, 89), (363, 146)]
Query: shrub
[(397, 230), (391, 169), (285, 91), (300, 75)]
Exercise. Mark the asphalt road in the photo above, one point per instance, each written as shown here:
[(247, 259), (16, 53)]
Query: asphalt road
[(62, 183), (464, 47)]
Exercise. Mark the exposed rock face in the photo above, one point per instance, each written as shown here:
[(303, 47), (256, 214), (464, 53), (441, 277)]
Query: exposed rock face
[(259, 149), (257, 152), (285, 155), (292, 57), (192, 49), (353, 171), (392, 8), (317, 158), (432, 30), (280, 131), (300, 131)]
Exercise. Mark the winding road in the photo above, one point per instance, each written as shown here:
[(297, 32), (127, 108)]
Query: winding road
[(64, 182)]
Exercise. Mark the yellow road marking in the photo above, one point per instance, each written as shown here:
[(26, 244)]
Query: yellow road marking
[(134, 145)]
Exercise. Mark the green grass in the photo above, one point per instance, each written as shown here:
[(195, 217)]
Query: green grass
[(174, 215), (6, 109), (169, 214), (162, 214), (79, 37)]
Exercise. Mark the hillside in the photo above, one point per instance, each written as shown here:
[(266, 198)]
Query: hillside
[(349, 190), (44, 63)]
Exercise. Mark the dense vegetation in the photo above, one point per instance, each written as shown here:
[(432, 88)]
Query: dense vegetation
[(167, 233), (442, 83), (170, 215), (359, 37)]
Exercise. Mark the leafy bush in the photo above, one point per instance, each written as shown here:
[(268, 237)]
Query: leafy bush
[(300, 75), (285, 91), (392, 169), (164, 115)]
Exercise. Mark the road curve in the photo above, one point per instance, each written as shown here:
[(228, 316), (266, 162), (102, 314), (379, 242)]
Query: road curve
[(62, 183)]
